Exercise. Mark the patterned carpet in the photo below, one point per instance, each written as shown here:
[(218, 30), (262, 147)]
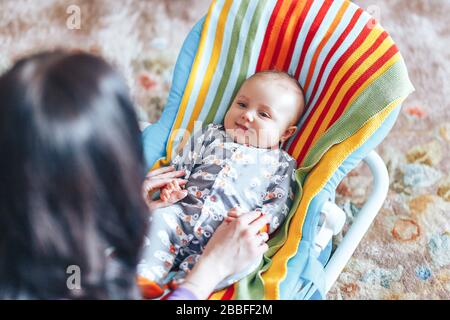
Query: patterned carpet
[(406, 253)]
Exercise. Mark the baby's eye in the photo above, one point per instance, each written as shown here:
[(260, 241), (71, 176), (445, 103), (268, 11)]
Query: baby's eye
[(264, 115), (242, 105)]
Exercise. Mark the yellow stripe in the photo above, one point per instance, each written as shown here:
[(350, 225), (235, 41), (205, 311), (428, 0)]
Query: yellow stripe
[(213, 61), (342, 71), (352, 79), (318, 177), (189, 86), (218, 295)]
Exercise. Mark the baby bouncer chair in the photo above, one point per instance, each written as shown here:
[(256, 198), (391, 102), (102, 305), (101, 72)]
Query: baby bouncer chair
[(354, 80)]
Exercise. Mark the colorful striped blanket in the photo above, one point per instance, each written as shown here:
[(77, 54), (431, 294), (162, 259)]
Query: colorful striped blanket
[(353, 77)]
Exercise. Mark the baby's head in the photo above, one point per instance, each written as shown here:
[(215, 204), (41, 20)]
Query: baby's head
[(266, 109)]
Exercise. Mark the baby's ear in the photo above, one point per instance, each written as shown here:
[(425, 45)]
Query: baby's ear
[(289, 132)]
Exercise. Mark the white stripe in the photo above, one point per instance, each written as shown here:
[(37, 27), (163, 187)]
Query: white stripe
[(204, 62), (356, 30), (302, 35), (346, 18), (320, 34), (201, 70), (337, 55), (259, 37), (309, 19), (228, 94), (215, 81)]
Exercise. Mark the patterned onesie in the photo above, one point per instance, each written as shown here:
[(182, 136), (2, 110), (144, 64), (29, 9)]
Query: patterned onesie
[(221, 175)]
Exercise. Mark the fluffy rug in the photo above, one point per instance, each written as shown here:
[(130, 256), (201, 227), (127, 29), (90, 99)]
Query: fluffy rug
[(406, 252)]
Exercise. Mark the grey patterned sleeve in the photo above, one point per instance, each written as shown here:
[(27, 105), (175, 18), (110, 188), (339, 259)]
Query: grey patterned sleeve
[(192, 152), (279, 196)]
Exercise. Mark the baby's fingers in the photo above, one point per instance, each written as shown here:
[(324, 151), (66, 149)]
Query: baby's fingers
[(234, 213), (260, 223), (178, 195), (181, 182), (165, 194), (176, 185)]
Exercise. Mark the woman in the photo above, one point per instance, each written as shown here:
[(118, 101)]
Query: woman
[(70, 187)]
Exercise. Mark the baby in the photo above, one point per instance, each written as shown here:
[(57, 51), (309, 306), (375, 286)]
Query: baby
[(235, 166)]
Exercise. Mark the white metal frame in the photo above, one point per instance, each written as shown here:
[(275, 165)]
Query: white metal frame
[(362, 221)]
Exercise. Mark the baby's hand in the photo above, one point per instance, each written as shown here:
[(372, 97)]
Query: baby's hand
[(172, 192), (235, 213)]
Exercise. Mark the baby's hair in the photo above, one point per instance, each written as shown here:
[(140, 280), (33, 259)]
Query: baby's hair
[(291, 79)]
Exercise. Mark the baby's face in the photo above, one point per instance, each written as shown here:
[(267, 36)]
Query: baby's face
[(262, 113)]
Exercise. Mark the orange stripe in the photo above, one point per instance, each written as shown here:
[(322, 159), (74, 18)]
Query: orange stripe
[(345, 85), (274, 35), (351, 81), (287, 19), (367, 76), (289, 36), (342, 71), (324, 41), (342, 58), (364, 86), (312, 31), (344, 34), (268, 31)]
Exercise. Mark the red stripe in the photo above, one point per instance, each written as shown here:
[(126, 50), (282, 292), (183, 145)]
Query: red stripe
[(347, 75), (334, 71), (312, 32), (265, 44), (339, 63), (363, 78), (341, 39), (228, 293), (282, 34), (298, 27), (349, 72)]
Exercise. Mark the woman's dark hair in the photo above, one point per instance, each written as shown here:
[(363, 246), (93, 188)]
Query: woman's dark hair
[(71, 168)]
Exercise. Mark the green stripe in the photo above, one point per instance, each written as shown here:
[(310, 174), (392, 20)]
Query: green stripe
[(243, 71), (248, 47), (391, 85), (251, 287), (229, 62)]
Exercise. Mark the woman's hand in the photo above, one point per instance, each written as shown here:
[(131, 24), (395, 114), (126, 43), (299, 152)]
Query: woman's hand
[(235, 245), (167, 179)]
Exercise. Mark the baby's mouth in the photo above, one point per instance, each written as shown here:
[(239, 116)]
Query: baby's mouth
[(244, 128)]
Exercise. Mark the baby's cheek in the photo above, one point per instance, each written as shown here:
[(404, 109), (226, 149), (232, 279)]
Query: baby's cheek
[(267, 138)]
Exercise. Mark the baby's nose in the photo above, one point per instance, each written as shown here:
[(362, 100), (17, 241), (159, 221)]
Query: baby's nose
[(248, 116)]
